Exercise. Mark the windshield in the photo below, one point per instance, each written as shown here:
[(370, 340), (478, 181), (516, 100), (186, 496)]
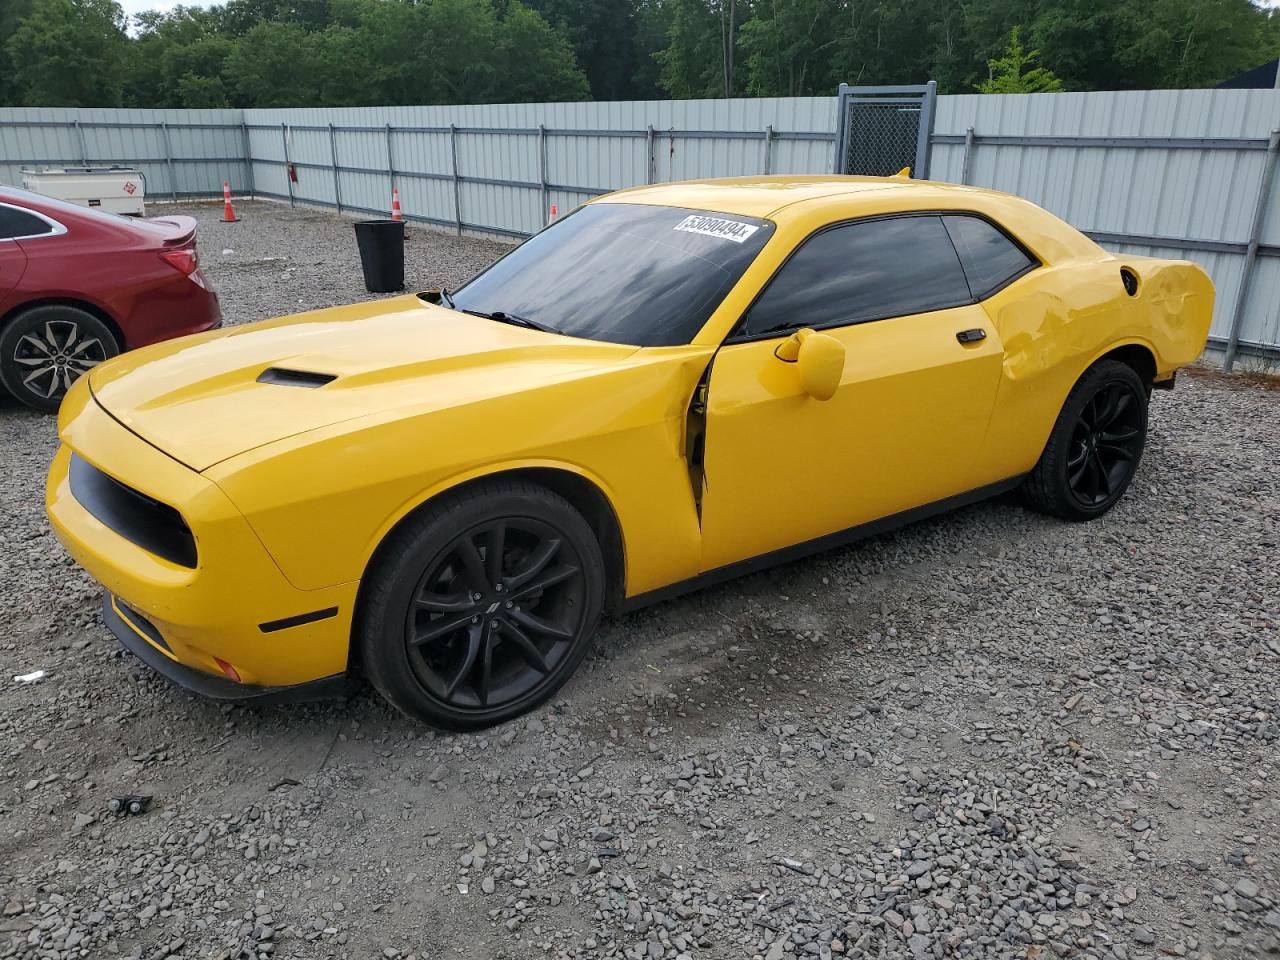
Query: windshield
[(621, 272)]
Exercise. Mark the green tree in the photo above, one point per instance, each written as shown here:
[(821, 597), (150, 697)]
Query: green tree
[(539, 59), (603, 38), (195, 91), (185, 43), (1014, 73), (692, 62), (788, 46), (11, 12), (69, 53)]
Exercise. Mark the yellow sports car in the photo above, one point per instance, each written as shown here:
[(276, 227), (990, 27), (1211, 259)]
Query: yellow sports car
[(670, 386)]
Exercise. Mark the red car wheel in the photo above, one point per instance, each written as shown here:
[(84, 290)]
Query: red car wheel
[(45, 349)]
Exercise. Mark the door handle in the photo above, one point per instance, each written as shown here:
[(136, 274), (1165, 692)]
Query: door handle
[(971, 336)]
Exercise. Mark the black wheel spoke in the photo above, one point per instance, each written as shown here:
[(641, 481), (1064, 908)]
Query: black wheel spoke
[(484, 677), (1114, 451), (547, 628), (526, 647), (444, 603), (1104, 479), (1077, 472), (475, 639), (440, 627), (473, 564), (547, 579), (1118, 436), (534, 563), (495, 544), (1118, 407)]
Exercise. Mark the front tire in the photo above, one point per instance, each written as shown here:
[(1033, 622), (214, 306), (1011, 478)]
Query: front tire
[(44, 350), (482, 606), (1095, 447)]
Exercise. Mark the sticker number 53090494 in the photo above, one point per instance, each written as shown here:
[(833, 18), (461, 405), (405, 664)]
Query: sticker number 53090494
[(716, 227)]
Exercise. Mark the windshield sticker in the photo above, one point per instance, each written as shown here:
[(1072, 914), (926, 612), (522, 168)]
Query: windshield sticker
[(716, 227)]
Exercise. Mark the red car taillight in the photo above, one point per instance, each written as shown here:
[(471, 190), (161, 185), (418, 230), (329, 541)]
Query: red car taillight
[(184, 261)]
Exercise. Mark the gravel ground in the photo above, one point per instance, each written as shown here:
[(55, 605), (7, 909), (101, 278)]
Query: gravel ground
[(991, 734)]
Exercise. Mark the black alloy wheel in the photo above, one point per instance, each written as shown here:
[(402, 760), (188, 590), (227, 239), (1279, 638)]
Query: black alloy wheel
[(496, 613), (481, 606), (46, 349), (1096, 445), (1106, 444)]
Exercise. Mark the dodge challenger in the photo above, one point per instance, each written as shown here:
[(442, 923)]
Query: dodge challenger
[(670, 386)]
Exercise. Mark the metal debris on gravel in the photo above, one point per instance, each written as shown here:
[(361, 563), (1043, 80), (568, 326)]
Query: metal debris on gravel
[(988, 735)]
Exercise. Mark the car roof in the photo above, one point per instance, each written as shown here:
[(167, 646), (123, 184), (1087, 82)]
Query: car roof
[(796, 198), (765, 196)]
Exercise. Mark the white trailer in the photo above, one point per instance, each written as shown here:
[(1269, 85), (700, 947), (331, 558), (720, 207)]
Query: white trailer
[(113, 189)]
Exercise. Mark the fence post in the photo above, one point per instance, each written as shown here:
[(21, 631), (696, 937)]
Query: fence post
[(288, 164), (768, 148), (542, 172), (333, 153), (391, 163), (1251, 252), (84, 151), (968, 153), (650, 164), (168, 159), (248, 159), (457, 191)]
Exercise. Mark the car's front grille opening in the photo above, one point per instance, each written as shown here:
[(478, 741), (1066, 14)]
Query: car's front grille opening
[(155, 527)]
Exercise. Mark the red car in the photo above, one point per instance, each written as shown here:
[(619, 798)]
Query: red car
[(78, 286)]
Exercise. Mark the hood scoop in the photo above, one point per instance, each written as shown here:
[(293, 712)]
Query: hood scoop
[(295, 378)]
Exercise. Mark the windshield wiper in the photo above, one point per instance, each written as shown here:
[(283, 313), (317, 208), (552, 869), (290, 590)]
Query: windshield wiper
[(501, 316), (446, 299)]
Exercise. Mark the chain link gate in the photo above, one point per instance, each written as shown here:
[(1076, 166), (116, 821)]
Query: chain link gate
[(880, 130)]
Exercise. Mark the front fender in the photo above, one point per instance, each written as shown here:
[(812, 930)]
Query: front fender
[(322, 501)]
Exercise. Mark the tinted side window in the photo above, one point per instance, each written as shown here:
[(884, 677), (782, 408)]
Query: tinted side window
[(990, 258), (869, 270), (19, 223)]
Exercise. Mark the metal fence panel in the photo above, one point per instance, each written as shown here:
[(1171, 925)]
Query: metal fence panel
[(180, 152), (1166, 173)]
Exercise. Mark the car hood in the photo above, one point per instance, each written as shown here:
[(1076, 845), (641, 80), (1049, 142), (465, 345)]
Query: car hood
[(206, 398)]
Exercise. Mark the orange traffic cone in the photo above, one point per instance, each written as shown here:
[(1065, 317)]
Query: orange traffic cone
[(228, 211), (395, 205), (551, 216)]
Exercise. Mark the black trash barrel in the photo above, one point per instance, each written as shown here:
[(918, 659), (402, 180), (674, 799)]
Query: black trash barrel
[(381, 244)]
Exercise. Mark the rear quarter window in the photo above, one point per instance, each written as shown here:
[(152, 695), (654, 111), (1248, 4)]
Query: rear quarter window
[(991, 260), (15, 223)]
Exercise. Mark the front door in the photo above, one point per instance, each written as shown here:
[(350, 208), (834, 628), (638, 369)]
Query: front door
[(922, 363)]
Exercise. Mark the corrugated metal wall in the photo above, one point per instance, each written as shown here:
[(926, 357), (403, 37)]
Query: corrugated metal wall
[(182, 152), (496, 168)]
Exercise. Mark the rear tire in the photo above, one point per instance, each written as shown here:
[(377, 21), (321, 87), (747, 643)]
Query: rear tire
[(1095, 446), (481, 606), (44, 350)]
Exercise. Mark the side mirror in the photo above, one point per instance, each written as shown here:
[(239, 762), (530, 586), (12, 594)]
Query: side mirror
[(820, 358)]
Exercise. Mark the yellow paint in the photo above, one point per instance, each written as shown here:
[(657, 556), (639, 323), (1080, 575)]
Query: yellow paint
[(289, 491)]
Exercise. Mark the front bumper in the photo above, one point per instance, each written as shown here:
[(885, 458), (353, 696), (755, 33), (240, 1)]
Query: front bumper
[(233, 607), (131, 630)]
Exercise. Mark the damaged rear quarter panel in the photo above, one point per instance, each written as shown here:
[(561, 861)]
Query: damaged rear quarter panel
[(1060, 319)]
